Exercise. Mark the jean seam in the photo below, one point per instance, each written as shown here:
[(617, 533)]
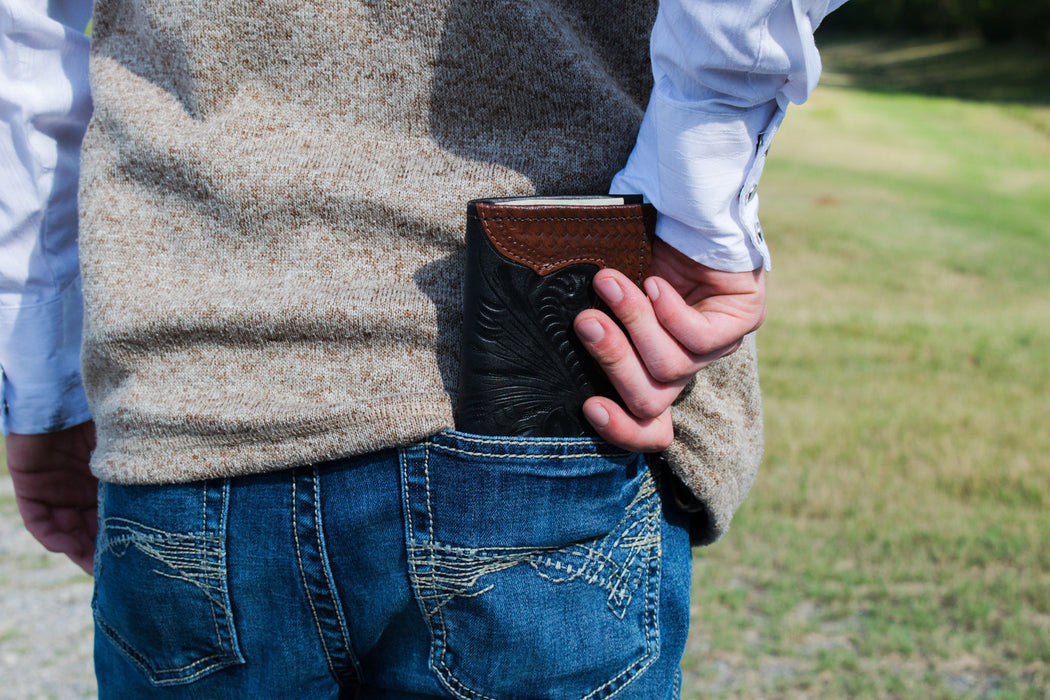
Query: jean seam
[(619, 594), (415, 575), (305, 581), (454, 686), (336, 603), (321, 595), (231, 627), (410, 545), (530, 442), (545, 457), (204, 527), (438, 646)]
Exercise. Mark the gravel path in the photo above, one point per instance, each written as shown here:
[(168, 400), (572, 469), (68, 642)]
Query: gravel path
[(45, 616)]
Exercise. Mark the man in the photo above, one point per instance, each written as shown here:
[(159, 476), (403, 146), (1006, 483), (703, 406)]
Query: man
[(270, 232)]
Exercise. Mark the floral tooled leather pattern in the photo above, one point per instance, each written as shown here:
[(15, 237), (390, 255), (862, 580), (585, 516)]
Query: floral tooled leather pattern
[(525, 373)]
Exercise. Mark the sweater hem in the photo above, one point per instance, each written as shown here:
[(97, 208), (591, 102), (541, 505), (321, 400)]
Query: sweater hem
[(153, 460)]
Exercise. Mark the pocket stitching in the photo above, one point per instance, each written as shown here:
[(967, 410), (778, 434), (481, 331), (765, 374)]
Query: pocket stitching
[(156, 676), (211, 583), (489, 455), (647, 498), (652, 603)]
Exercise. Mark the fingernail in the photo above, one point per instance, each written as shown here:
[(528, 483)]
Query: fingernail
[(609, 290), (590, 330), (596, 414), (652, 289)]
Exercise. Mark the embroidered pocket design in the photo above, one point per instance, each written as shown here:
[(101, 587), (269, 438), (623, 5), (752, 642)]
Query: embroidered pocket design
[(161, 596), (570, 618)]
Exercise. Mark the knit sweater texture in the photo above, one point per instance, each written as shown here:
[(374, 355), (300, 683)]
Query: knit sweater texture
[(273, 203)]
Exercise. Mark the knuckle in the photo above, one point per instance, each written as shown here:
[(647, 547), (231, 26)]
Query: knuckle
[(680, 319), (667, 370), (631, 315), (760, 318), (667, 437), (647, 407), (675, 316), (729, 349), (614, 356), (662, 443)]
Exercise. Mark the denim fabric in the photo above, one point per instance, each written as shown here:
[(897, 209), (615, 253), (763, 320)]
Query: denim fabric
[(464, 567)]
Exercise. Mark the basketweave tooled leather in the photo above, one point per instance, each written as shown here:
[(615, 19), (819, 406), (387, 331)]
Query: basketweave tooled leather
[(528, 274)]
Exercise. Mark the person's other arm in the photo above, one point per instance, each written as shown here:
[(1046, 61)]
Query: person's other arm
[(44, 109), (724, 73)]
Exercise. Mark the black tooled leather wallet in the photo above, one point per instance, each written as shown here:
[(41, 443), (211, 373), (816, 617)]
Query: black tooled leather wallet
[(530, 262)]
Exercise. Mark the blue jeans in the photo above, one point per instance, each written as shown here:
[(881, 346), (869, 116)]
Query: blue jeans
[(463, 567)]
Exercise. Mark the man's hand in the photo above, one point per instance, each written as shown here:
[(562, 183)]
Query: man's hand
[(57, 494), (688, 317)]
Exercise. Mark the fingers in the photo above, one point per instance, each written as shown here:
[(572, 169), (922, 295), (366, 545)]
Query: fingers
[(626, 431), (83, 552), (675, 337), (645, 396), (663, 356), (646, 388), (56, 493), (68, 530), (711, 327), (75, 545), (673, 329)]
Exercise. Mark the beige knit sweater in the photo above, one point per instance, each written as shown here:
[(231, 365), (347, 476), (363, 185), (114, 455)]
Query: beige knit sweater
[(273, 201)]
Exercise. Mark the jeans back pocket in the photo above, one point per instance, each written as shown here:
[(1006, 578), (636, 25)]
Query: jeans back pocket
[(536, 564), (161, 594)]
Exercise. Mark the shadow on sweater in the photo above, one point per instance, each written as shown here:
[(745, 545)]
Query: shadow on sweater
[(441, 282), (554, 90)]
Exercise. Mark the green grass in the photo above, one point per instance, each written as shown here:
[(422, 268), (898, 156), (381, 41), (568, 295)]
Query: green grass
[(895, 542)]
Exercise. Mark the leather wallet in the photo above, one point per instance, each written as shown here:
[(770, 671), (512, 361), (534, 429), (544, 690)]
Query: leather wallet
[(529, 266)]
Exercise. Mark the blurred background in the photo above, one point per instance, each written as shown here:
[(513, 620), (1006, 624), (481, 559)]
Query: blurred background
[(896, 542)]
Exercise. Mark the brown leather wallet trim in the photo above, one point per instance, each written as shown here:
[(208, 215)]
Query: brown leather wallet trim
[(549, 238)]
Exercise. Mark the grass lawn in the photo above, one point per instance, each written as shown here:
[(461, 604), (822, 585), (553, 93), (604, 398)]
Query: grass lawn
[(895, 544)]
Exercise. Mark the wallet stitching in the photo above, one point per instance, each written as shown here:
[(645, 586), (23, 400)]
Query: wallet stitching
[(528, 253), (641, 259), (558, 218)]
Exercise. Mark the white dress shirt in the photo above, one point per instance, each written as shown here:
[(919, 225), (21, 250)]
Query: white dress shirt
[(724, 73), (44, 109)]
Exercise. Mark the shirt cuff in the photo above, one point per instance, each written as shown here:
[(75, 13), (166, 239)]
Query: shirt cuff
[(701, 170), (40, 386)]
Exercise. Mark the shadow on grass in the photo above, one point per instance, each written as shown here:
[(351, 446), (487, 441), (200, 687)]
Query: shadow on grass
[(968, 68)]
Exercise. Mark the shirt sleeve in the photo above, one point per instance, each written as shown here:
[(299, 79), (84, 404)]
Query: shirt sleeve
[(724, 72), (45, 105)]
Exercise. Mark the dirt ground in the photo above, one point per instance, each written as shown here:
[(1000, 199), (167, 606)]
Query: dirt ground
[(45, 616)]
